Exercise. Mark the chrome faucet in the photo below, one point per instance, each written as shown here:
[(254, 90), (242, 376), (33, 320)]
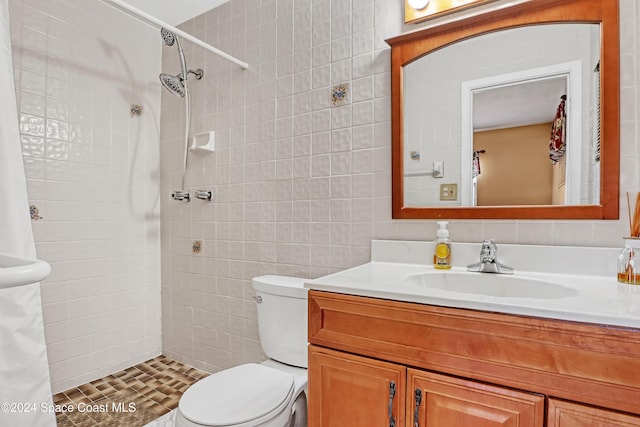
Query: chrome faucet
[(489, 260)]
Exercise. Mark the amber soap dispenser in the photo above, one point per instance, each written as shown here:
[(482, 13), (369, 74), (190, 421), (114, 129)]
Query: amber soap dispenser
[(442, 253)]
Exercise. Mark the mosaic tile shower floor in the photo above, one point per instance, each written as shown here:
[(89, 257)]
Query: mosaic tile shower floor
[(133, 397)]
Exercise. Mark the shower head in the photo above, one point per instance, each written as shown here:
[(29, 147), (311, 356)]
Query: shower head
[(177, 84), (167, 36), (173, 84)]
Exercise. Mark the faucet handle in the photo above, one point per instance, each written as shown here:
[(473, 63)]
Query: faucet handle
[(489, 260), (489, 251)]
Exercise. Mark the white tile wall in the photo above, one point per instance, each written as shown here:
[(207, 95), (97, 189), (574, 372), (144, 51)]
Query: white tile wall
[(302, 186), (92, 171)]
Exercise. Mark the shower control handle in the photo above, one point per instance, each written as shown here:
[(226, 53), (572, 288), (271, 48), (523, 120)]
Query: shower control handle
[(204, 195), (181, 195)]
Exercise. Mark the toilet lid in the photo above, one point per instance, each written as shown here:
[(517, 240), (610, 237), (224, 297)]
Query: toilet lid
[(236, 395)]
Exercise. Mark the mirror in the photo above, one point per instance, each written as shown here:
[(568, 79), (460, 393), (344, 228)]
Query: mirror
[(493, 85), (506, 110)]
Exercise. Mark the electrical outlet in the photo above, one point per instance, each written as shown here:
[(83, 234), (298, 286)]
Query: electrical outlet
[(448, 191)]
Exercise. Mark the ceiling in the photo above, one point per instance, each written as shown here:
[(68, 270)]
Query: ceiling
[(521, 104), (175, 12)]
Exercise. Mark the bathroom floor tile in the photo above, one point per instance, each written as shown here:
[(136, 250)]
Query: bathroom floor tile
[(132, 397)]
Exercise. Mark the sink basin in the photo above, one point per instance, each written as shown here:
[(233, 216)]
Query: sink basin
[(17, 271), (492, 285)]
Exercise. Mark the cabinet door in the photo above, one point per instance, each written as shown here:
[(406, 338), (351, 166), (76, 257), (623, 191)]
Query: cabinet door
[(567, 414), (354, 391), (436, 400)]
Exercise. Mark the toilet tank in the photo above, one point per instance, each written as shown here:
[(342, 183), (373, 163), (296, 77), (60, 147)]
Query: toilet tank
[(282, 318)]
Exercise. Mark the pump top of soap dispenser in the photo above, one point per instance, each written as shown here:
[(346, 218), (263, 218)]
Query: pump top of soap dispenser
[(442, 233)]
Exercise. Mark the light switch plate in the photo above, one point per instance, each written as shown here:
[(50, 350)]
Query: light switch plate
[(448, 191)]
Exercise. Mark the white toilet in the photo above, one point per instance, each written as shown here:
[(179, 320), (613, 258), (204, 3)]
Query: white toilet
[(269, 394)]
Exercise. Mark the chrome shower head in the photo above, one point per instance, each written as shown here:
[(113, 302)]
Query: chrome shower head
[(173, 84), (177, 84), (167, 36)]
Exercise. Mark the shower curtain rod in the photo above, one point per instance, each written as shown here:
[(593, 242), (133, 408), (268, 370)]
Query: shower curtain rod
[(119, 5)]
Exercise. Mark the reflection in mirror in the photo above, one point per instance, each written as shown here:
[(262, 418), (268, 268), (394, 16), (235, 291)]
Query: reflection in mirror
[(509, 156), (486, 108)]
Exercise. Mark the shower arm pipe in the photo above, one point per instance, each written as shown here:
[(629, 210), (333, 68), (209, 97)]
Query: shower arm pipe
[(119, 5)]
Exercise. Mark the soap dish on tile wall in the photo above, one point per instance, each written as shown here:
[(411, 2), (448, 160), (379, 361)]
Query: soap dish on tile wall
[(204, 142)]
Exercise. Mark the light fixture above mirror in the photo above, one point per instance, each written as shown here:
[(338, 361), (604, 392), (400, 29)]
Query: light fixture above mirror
[(420, 10), (599, 21), (418, 4)]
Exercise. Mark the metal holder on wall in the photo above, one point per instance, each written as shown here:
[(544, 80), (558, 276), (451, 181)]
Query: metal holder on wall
[(204, 195), (181, 196)]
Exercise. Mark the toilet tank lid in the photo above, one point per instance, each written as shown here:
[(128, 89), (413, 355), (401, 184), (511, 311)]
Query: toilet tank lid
[(281, 285)]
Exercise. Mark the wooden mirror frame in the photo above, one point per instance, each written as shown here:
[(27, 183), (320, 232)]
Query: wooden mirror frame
[(411, 46)]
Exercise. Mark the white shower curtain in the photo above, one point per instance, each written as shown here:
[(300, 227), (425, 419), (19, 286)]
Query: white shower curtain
[(25, 388)]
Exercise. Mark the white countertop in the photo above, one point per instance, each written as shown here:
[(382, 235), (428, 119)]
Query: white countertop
[(592, 298)]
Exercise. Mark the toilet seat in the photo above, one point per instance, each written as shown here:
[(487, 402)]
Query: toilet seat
[(236, 396)]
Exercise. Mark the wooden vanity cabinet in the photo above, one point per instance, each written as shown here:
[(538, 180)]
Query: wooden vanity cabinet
[(440, 400), (354, 391), (350, 390), (471, 368), (569, 414)]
